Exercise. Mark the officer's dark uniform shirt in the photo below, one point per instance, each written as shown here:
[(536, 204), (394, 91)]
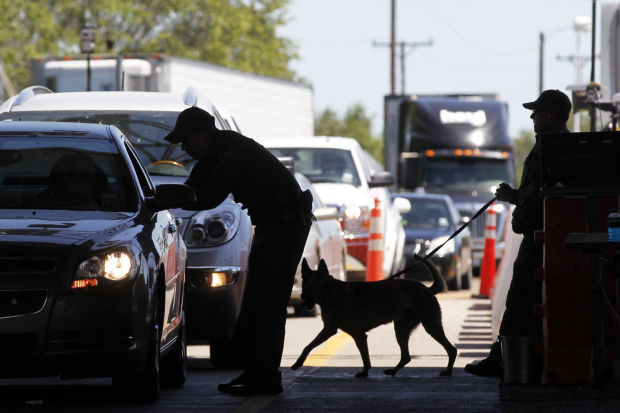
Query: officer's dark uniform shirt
[(237, 164), (527, 216)]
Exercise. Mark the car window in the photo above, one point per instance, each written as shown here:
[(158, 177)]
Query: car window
[(428, 214), (145, 182), (58, 172), (322, 165), (144, 129)]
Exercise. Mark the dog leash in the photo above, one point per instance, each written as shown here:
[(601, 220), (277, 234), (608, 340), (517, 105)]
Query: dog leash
[(461, 228)]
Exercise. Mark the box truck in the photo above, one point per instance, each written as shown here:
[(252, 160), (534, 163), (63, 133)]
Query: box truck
[(262, 105)]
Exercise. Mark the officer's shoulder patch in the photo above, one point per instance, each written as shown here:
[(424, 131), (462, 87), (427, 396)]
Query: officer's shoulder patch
[(225, 155)]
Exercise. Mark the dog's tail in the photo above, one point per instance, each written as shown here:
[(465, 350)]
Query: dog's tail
[(439, 284)]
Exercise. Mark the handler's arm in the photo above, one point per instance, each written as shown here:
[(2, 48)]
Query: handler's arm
[(214, 180)]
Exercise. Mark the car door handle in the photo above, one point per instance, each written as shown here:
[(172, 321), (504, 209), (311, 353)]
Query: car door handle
[(172, 228)]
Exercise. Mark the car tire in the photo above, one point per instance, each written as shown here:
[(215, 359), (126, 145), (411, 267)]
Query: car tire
[(468, 278), (174, 365), (455, 282), (144, 386)]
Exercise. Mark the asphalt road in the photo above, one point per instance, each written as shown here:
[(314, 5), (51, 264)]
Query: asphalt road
[(326, 382)]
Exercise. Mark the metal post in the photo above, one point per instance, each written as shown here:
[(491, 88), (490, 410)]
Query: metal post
[(593, 60), (541, 48), (88, 72), (393, 49)]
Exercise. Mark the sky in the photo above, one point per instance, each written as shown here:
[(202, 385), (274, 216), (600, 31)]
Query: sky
[(478, 46)]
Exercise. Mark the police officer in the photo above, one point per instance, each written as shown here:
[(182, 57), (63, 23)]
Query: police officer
[(229, 162), (550, 113)]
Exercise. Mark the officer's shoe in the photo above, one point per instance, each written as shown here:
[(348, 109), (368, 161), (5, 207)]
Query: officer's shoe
[(248, 385), (252, 388), (490, 366)]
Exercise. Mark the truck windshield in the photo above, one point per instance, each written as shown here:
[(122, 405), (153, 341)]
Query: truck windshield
[(145, 130), (322, 165), (466, 172)]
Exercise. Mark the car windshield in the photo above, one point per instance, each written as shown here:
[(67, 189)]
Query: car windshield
[(426, 214), (466, 172), (60, 172), (145, 130), (321, 165)]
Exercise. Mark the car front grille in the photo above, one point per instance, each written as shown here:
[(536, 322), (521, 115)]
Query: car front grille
[(14, 265), (17, 302), (22, 344), (88, 341)]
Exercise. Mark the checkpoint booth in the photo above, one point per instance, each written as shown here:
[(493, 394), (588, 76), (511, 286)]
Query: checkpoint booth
[(580, 175)]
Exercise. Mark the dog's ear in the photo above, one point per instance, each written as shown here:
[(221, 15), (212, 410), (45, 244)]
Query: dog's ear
[(304, 266), (323, 266)]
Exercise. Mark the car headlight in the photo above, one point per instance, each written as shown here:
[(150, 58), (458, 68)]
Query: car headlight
[(356, 219), (116, 265), (446, 249), (213, 227)]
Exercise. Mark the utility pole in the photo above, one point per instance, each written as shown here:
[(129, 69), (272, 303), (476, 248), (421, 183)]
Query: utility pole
[(404, 48), (393, 49), (541, 58)]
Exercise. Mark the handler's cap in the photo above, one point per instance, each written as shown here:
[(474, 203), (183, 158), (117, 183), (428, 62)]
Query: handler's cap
[(551, 99), (191, 120)]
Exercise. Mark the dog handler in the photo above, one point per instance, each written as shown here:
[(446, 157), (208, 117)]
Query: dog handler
[(229, 162), (549, 113)]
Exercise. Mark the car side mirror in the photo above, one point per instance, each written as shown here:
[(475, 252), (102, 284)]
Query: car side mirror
[(172, 196), (325, 213), (382, 178), (401, 204)]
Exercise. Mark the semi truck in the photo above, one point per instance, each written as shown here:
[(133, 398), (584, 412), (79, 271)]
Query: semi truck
[(456, 145), (262, 105)]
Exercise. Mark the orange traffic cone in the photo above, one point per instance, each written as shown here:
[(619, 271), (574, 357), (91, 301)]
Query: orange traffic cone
[(487, 269), (374, 263)]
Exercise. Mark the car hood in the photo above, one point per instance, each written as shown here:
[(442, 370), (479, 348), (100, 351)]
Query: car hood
[(47, 227), (344, 194), (466, 199), (411, 234)]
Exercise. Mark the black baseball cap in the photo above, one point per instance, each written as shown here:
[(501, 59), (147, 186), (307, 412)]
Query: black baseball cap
[(191, 120), (552, 100)]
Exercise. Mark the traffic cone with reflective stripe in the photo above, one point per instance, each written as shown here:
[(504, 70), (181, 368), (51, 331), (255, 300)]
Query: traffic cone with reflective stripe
[(374, 263), (487, 269)]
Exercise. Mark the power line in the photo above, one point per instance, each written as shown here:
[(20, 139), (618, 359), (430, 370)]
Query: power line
[(404, 49)]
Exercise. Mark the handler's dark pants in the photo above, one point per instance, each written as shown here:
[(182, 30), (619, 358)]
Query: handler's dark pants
[(275, 255), (524, 293)]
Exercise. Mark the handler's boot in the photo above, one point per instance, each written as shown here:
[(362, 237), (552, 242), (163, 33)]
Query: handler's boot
[(248, 385), (490, 366)]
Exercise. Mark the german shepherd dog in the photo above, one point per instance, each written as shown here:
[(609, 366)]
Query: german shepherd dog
[(357, 307)]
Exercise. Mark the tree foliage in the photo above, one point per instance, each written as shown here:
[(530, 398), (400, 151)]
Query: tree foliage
[(240, 34), (354, 124)]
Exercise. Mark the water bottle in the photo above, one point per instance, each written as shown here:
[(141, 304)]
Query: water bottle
[(613, 225)]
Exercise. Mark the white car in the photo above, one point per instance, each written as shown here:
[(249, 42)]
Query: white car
[(346, 176), (218, 240), (325, 242)]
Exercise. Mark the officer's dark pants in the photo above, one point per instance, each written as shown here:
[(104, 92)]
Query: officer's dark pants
[(524, 293), (275, 255)]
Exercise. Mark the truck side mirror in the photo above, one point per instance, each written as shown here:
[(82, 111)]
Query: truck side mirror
[(382, 178)]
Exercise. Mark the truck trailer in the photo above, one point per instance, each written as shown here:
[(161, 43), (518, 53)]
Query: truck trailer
[(456, 145), (262, 105)]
